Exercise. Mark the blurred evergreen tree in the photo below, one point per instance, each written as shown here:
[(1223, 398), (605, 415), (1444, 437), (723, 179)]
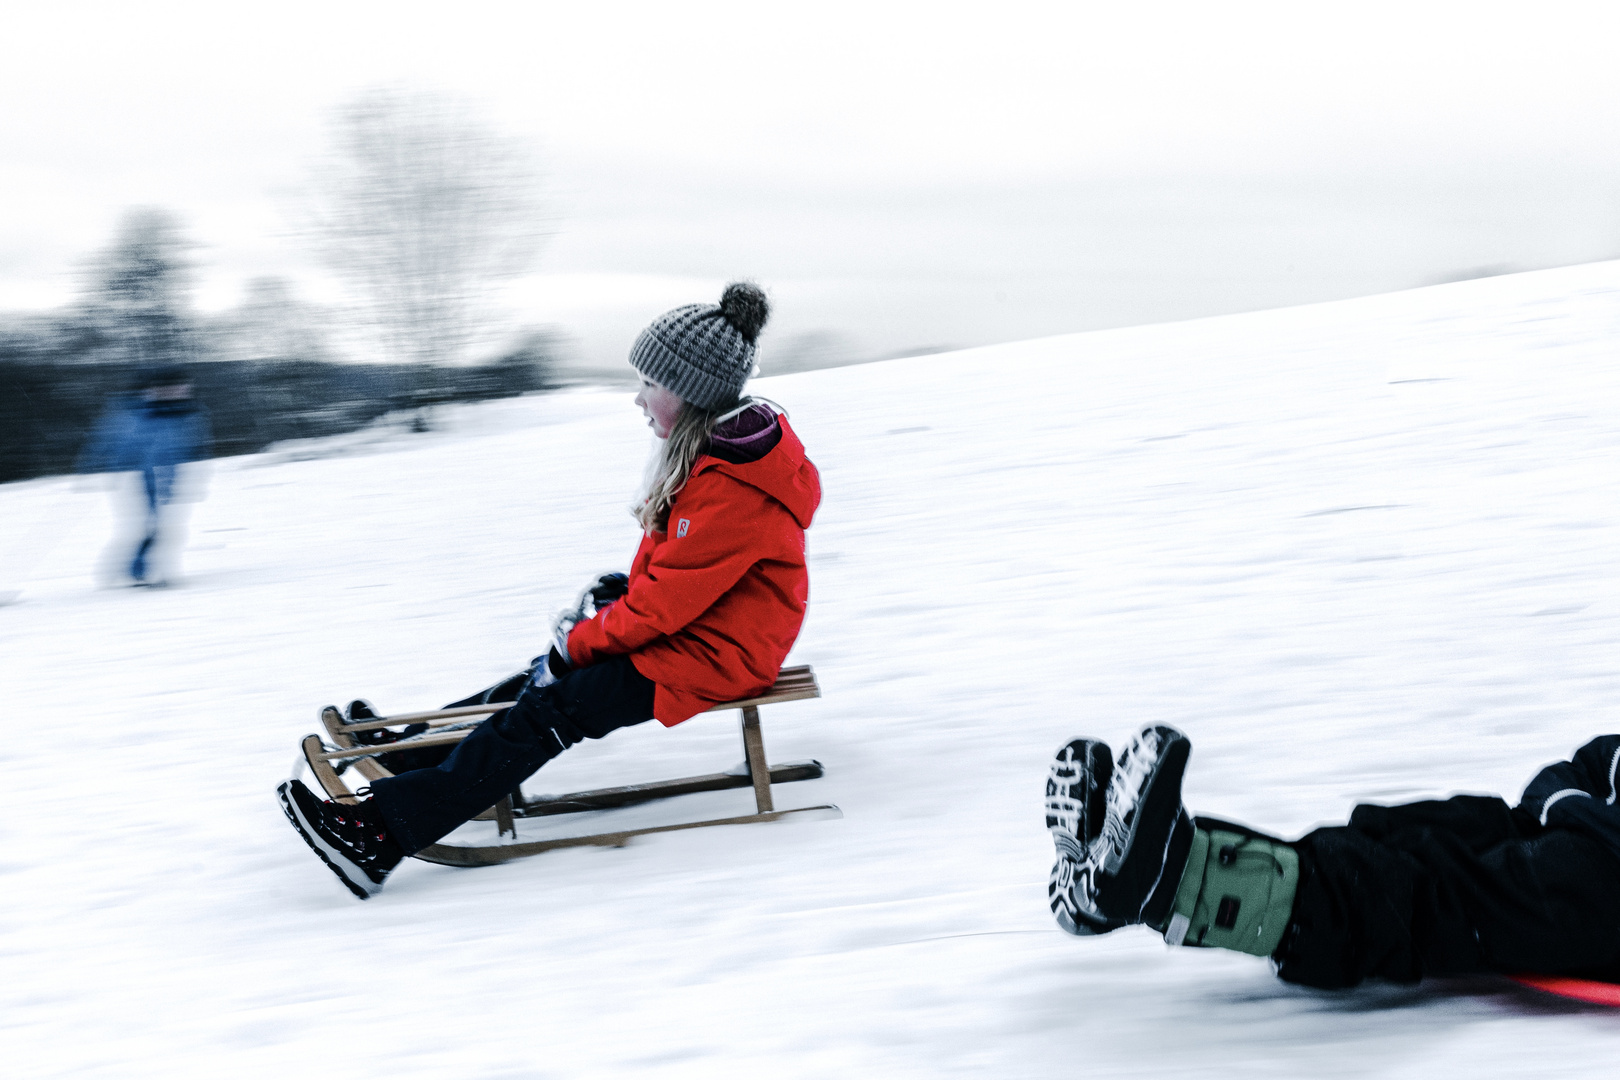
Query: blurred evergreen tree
[(138, 299)]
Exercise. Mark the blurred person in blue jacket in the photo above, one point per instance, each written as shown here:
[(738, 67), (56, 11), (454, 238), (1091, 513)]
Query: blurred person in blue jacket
[(153, 432)]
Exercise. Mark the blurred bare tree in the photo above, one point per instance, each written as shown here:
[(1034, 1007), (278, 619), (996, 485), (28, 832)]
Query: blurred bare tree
[(138, 289), (422, 209)]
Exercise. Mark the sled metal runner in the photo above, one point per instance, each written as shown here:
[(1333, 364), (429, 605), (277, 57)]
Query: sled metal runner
[(793, 684)]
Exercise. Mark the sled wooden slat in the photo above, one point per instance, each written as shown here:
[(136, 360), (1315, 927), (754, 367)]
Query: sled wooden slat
[(370, 767), (457, 855), (460, 712), (580, 802), (793, 684), (446, 739), (631, 794)]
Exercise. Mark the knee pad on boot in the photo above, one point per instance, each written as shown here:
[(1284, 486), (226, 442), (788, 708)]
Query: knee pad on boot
[(1237, 891)]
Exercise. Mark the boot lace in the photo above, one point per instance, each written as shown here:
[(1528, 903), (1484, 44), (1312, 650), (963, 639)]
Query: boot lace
[(1131, 772)]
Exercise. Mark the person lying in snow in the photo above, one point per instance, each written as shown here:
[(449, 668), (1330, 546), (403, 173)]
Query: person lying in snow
[(712, 604), (1459, 886)]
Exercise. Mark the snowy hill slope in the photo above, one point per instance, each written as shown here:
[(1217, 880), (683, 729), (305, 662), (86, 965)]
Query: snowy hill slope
[(1362, 550)]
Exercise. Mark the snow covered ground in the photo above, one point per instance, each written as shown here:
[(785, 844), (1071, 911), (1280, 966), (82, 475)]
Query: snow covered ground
[(1361, 550)]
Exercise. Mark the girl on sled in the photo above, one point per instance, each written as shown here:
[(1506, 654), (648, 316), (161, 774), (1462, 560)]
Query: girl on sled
[(1454, 887), (713, 601)]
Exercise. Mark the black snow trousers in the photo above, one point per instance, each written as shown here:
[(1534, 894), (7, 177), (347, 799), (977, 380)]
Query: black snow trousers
[(1466, 885), (424, 804)]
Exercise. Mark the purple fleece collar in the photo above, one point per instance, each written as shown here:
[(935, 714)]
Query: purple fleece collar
[(748, 436)]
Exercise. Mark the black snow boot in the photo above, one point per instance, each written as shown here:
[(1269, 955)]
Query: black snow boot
[(1076, 803), (1122, 835), (1141, 851), (351, 838)]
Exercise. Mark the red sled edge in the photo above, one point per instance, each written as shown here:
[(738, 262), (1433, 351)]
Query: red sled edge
[(1588, 990)]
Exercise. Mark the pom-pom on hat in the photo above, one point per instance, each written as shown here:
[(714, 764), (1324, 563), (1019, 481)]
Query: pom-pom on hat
[(705, 352)]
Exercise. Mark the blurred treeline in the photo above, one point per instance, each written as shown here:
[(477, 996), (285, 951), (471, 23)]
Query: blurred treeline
[(420, 210), (266, 371), (50, 399)]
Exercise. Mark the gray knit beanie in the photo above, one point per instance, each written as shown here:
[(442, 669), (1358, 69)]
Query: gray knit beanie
[(704, 353)]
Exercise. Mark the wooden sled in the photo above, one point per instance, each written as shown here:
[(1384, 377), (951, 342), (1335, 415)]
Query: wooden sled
[(793, 684)]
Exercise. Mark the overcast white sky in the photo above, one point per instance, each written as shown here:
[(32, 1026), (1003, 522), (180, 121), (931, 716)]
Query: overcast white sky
[(897, 174)]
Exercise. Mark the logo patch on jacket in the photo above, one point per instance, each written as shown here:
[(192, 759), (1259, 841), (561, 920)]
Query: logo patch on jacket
[(682, 525)]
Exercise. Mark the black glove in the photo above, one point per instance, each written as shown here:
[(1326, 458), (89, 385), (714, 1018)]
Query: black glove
[(599, 594), (608, 588)]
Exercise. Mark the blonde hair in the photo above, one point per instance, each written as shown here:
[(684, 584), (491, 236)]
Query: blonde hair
[(669, 471)]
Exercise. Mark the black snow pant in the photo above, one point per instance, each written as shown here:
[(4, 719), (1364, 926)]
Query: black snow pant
[(426, 803), (1459, 886)]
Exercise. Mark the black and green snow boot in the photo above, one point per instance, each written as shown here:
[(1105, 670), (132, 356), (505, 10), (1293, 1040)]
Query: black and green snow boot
[(1122, 836), (1146, 832), (1128, 852)]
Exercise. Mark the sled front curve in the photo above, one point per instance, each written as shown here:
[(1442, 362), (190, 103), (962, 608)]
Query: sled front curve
[(793, 684)]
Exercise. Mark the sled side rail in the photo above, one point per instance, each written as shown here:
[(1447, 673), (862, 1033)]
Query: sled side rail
[(793, 684), (433, 718)]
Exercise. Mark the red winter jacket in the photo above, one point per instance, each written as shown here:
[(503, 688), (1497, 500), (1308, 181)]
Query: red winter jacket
[(716, 602)]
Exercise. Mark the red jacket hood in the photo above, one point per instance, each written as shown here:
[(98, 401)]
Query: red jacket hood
[(785, 474)]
